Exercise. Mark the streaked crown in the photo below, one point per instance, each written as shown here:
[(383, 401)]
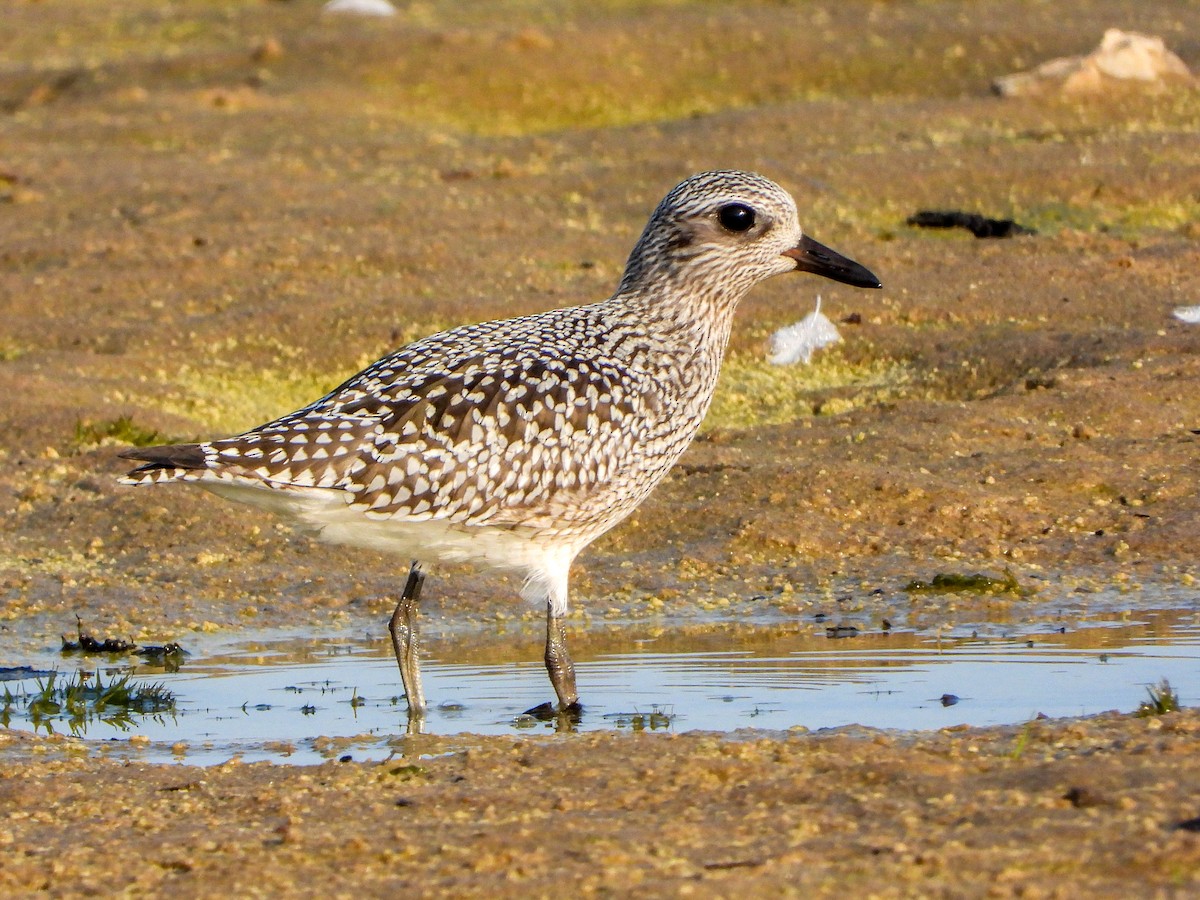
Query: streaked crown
[(722, 228)]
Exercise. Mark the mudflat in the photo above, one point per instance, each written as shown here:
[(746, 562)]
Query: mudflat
[(213, 213)]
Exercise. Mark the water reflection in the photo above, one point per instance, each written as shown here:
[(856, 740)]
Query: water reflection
[(268, 698)]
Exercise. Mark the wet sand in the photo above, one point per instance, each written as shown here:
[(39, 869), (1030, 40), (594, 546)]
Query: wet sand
[(1063, 809)]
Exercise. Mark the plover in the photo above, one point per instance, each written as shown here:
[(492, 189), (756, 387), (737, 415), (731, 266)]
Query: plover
[(516, 443)]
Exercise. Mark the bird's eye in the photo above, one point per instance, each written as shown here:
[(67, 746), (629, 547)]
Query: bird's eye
[(736, 217)]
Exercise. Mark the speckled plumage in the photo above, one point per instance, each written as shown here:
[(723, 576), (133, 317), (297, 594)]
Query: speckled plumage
[(517, 442)]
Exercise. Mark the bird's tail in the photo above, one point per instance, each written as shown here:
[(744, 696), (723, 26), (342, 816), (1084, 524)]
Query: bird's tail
[(166, 463)]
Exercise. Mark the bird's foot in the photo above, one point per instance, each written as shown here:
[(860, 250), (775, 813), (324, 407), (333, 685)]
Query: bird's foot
[(571, 714)]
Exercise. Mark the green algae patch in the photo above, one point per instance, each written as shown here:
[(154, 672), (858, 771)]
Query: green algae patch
[(978, 583), (491, 78), (238, 384), (121, 430), (227, 398), (10, 351), (1123, 220), (754, 392)]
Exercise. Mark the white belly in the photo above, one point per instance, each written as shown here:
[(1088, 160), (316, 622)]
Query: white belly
[(326, 515)]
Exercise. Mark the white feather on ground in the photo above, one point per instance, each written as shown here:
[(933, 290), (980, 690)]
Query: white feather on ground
[(798, 342), (1189, 314), (360, 7)]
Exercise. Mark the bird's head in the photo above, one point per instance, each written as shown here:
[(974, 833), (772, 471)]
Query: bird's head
[(726, 231)]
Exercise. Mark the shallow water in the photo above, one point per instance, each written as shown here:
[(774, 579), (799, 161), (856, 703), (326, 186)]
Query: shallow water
[(268, 698)]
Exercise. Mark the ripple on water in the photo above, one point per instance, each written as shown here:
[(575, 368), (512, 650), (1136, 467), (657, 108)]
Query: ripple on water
[(303, 700)]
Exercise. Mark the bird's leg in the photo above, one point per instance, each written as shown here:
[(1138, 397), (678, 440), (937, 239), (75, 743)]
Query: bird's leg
[(558, 662), (403, 627)]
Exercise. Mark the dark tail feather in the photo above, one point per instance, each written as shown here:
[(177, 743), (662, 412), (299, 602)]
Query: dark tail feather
[(172, 456)]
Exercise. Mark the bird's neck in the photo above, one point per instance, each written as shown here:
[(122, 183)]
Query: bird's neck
[(685, 332), (686, 318)]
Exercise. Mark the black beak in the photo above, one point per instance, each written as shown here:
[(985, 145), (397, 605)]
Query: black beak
[(811, 256)]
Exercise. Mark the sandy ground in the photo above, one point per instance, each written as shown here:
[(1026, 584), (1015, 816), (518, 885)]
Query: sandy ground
[(211, 214), (1078, 809)]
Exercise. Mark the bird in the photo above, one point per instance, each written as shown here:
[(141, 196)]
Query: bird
[(514, 443)]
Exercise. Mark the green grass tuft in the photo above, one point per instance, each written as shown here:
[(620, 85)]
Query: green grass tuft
[(85, 700), (1162, 700)]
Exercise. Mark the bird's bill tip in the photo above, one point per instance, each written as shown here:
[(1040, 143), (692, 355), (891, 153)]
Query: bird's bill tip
[(813, 256)]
